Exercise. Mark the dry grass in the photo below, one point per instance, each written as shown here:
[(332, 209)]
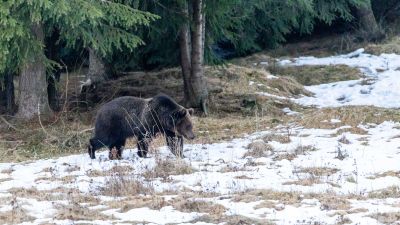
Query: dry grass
[(281, 138), (215, 128), (232, 220), (258, 149), (349, 115), (75, 211), (116, 170), (329, 201), (307, 181), (123, 183), (387, 218), (314, 75), (63, 134), (385, 174), (285, 156), (234, 94), (185, 205), (16, 215), (299, 150), (167, 167), (343, 139), (153, 201), (266, 204), (304, 149), (390, 192), (334, 203), (392, 45), (353, 130), (317, 171)]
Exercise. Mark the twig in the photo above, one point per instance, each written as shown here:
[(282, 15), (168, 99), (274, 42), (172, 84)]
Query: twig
[(41, 125), (85, 130), (9, 124), (66, 87)]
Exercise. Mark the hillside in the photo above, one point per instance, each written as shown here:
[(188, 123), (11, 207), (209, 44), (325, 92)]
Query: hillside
[(272, 152)]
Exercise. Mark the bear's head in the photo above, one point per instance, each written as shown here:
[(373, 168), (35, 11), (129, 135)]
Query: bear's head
[(182, 123)]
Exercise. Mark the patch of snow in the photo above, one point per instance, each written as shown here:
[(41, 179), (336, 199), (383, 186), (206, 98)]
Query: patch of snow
[(335, 121), (163, 216), (289, 112), (380, 87)]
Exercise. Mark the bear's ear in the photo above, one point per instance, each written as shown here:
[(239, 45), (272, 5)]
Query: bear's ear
[(180, 114), (191, 111)]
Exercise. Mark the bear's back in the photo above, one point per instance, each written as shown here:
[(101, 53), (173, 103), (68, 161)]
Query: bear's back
[(121, 113)]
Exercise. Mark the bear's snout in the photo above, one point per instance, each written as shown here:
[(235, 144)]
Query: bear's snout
[(191, 136)]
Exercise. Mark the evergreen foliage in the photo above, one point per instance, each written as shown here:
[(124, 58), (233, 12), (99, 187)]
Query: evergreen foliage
[(238, 26), (101, 25)]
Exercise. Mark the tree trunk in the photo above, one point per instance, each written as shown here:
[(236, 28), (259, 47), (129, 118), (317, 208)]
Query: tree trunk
[(52, 90), (184, 45), (97, 73), (198, 93), (97, 69), (368, 24), (9, 90), (52, 52), (32, 84)]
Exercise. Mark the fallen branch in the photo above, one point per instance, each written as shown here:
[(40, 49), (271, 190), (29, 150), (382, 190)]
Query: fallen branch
[(9, 124)]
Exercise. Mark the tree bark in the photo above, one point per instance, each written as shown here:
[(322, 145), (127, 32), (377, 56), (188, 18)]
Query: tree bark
[(184, 45), (9, 90), (52, 90), (368, 22), (33, 99), (97, 69), (52, 50), (97, 73), (196, 84)]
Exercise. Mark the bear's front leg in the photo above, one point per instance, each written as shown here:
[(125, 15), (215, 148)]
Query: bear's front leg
[(143, 146), (175, 143), (91, 151)]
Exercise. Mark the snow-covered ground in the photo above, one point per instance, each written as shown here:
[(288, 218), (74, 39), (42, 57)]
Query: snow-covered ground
[(283, 175), (380, 87)]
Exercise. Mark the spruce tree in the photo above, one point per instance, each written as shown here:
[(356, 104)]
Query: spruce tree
[(100, 25)]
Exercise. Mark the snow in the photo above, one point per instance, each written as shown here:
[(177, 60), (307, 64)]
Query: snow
[(362, 164), (224, 171), (380, 87), (162, 216)]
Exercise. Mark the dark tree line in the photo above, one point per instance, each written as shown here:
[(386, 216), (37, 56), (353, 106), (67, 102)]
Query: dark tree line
[(163, 33)]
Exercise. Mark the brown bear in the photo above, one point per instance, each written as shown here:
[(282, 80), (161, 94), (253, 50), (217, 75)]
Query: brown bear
[(128, 116)]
